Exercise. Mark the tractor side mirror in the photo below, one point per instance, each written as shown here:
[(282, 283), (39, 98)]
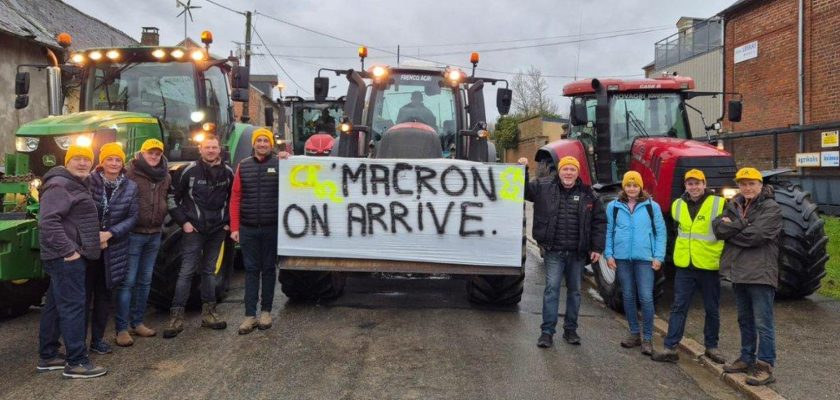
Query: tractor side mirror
[(239, 95), (321, 88), (22, 83), (269, 117), (240, 78), (21, 102), (734, 112), (578, 114), (503, 99)]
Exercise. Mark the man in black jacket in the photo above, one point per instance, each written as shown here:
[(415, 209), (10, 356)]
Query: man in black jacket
[(198, 201), (570, 225)]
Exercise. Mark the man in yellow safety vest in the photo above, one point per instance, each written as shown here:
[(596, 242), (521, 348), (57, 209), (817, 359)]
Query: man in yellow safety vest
[(697, 258)]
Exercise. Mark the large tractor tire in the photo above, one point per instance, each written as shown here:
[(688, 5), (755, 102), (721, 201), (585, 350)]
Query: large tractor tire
[(802, 245), (498, 290), (16, 297), (609, 287), (168, 266), (311, 286)]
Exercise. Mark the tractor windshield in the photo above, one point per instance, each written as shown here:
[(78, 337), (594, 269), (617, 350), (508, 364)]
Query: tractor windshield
[(415, 98), (644, 114), (309, 119)]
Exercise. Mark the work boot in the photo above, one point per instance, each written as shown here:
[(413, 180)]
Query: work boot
[(631, 341), (738, 366), (545, 341), (248, 325), (762, 375), (176, 323), (666, 355), (124, 339), (209, 317), (144, 331), (571, 337), (264, 321), (647, 347), (714, 354)]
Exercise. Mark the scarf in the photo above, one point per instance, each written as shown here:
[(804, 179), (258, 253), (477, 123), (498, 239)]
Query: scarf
[(156, 174)]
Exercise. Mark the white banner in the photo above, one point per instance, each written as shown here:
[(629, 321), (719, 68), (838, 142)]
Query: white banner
[(437, 210)]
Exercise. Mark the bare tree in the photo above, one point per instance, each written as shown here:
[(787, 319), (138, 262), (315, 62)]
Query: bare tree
[(530, 94)]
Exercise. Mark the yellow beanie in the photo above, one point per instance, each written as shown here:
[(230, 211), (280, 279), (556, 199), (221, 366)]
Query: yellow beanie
[(113, 149), (262, 132), (151, 144), (748, 173), (78, 151), (632, 177), (695, 174), (568, 160)]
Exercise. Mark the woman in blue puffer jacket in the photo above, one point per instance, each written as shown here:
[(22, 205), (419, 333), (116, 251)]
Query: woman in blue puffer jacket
[(635, 246), (116, 201)]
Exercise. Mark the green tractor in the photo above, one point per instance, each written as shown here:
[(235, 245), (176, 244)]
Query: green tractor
[(128, 95)]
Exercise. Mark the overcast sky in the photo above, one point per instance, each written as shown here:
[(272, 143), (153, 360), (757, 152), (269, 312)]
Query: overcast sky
[(444, 31)]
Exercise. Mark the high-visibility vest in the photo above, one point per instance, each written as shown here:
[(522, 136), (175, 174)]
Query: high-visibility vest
[(696, 243)]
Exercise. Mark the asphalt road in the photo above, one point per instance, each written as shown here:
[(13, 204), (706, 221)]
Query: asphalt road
[(386, 338)]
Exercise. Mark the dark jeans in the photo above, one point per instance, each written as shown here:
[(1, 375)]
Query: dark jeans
[(259, 254), (686, 282), (64, 311), (755, 319), (200, 252), (637, 278), (133, 292), (97, 300), (560, 264)]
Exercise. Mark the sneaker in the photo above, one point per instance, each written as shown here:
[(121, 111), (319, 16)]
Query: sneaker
[(666, 355), (571, 337), (124, 339), (265, 320), (545, 341), (53, 364), (83, 371), (714, 354), (762, 375), (738, 366), (647, 347), (100, 347), (143, 331), (631, 341), (248, 325)]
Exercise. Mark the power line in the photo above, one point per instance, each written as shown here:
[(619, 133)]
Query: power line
[(288, 75), (225, 7)]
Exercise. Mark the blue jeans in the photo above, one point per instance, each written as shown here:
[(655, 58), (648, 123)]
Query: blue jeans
[(133, 293), (560, 264), (686, 281), (755, 319), (636, 278), (64, 311), (259, 254)]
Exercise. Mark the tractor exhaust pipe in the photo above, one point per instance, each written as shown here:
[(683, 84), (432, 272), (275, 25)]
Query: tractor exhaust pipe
[(603, 154), (54, 90)]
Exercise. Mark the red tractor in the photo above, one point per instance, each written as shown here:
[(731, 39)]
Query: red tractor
[(642, 125)]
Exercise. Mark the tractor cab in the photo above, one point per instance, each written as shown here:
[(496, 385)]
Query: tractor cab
[(308, 118)]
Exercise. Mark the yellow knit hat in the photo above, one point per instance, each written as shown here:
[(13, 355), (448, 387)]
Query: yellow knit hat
[(748, 173), (78, 151), (113, 149), (632, 177), (262, 132), (568, 160), (151, 144), (695, 174)]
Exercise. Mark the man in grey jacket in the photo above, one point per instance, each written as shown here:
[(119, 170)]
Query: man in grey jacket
[(750, 226), (69, 238)]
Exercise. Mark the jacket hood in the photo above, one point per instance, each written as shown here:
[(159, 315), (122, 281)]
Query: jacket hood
[(60, 172)]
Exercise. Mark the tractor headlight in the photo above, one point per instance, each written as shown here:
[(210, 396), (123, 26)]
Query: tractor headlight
[(197, 116), (26, 144), (729, 193), (82, 139)]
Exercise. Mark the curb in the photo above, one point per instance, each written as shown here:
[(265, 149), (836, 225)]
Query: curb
[(694, 349)]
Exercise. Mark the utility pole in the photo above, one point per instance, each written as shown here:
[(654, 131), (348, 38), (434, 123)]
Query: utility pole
[(398, 55), (245, 106)]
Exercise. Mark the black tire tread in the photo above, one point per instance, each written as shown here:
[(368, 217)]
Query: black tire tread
[(311, 286)]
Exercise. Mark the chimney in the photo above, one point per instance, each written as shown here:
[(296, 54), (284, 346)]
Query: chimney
[(150, 36)]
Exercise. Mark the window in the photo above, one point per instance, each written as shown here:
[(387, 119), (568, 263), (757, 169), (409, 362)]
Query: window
[(644, 114), (416, 98)]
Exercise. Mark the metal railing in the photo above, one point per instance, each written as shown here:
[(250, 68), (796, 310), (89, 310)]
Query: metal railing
[(700, 38)]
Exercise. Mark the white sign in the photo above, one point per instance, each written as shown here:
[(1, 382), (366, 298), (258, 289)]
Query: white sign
[(807, 159), (746, 52), (831, 159), (830, 139), (439, 211)]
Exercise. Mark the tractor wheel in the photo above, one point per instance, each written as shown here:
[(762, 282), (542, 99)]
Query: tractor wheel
[(15, 298), (311, 286), (802, 245), (609, 287), (498, 290), (168, 266)]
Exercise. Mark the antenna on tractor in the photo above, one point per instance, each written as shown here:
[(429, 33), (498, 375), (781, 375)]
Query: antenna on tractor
[(186, 13)]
